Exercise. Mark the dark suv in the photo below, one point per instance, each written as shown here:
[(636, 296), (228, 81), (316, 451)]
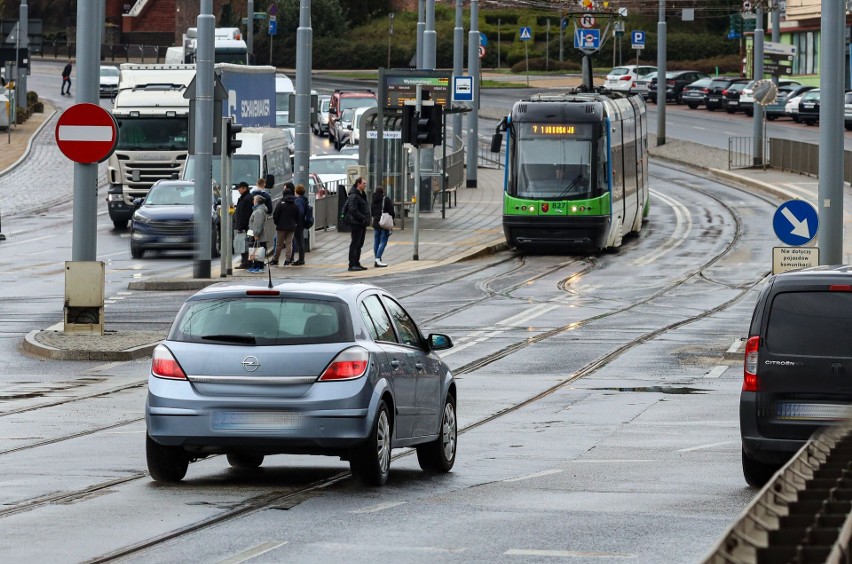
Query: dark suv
[(797, 374), (676, 81), (715, 91)]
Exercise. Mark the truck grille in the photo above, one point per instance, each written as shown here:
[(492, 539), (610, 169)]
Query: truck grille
[(149, 171)]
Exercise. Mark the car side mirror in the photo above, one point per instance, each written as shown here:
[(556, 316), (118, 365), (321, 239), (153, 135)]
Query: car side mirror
[(438, 342), (137, 202), (496, 142)]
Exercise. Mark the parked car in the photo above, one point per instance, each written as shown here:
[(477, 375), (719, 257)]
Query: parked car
[(300, 368), (847, 112), (676, 81), (714, 90), (785, 94), (747, 97), (791, 108), (165, 219), (643, 83), (809, 107), (331, 168), (321, 126), (731, 97), (623, 79), (108, 81), (695, 94), (797, 359)]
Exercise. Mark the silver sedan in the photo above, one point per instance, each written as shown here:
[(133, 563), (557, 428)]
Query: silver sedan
[(299, 368)]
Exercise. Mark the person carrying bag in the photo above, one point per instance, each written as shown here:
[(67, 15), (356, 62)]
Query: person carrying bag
[(381, 208)]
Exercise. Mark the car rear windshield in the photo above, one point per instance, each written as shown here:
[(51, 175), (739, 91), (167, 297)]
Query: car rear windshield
[(810, 324), (261, 320)]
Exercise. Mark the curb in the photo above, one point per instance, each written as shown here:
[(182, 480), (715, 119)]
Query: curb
[(32, 346), (26, 154)]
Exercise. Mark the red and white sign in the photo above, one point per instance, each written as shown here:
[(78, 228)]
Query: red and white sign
[(481, 51), (587, 21), (86, 133)]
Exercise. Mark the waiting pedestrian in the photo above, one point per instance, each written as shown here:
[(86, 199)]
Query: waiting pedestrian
[(257, 233), (242, 213), (286, 218), (66, 80), (299, 241), (381, 204), (358, 216), (260, 188)]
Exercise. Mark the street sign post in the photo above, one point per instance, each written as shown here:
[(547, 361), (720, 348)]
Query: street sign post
[(587, 39), (526, 33), (795, 222), (86, 133), (481, 51), (462, 89), (637, 40)]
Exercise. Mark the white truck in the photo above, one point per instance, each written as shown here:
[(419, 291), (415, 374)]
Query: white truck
[(154, 126), (228, 47)]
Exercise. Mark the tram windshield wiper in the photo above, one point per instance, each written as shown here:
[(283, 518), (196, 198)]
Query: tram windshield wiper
[(571, 186)]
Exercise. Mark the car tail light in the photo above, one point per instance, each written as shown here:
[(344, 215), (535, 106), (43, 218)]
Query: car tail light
[(706, 90), (347, 365), (164, 365), (750, 381), (625, 78), (670, 82), (263, 293), (840, 288), (725, 92)]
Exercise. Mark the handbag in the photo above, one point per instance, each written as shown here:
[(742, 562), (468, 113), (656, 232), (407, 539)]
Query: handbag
[(239, 243), (386, 221), (257, 253)]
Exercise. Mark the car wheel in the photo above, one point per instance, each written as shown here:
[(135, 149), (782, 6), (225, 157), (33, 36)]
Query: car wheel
[(165, 463), (119, 223), (136, 251), (771, 118), (370, 461), (439, 455), (796, 119), (730, 111), (848, 126), (245, 460), (749, 113), (757, 473), (693, 106), (809, 122)]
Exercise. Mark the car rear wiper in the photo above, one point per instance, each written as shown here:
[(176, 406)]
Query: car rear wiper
[(246, 339)]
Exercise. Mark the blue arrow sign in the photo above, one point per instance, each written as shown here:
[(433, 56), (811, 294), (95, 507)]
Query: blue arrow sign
[(526, 33), (795, 222), (483, 39)]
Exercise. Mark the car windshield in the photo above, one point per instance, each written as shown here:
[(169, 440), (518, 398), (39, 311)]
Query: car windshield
[(324, 105), (331, 166), (810, 323), (555, 166), (619, 71), (170, 195), (811, 95), (358, 102), (109, 71), (262, 321), (701, 83), (650, 76), (244, 168)]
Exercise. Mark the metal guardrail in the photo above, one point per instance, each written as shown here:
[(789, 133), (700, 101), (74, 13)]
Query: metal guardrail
[(741, 153), (804, 514), (124, 53), (488, 159)]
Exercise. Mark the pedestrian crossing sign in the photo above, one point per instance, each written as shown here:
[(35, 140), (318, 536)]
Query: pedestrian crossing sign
[(526, 33)]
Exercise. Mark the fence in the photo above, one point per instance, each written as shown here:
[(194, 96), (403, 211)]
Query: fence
[(783, 154), (125, 53), (741, 153), (488, 159)]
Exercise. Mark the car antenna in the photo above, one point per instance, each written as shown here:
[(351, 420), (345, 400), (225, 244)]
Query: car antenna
[(269, 272)]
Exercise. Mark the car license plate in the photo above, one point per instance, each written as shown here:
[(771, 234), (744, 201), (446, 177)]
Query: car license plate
[(173, 239), (257, 420), (813, 411), (733, 103), (714, 98), (809, 106)]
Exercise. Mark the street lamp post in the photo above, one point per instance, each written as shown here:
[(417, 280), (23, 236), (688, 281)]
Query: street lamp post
[(390, 35)]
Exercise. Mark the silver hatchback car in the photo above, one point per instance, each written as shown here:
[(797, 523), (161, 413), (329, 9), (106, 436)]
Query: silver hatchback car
[(299, 368)]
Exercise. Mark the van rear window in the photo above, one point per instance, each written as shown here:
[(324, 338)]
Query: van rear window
[(811, 324)]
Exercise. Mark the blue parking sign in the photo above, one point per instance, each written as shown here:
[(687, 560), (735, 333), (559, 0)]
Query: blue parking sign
[(637, 38)]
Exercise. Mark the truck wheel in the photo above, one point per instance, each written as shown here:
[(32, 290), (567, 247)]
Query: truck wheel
[(120, 223)]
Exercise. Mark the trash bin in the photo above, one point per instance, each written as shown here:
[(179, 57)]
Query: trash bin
[(5, 109), (425, 196)]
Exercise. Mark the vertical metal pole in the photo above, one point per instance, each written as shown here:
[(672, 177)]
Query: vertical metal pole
[(225, 196), (458, 69), (661, 75), (444, 168), (498, 42), (757, 119), (830, 201), (271, 38), (390, 35), (204, 131), (304, 62), (561, 36), (84, 224), (547, 47), (421, 27), (613, 48), (473, 118), (430, 37), (250, 28), (527, 59), (776, 34), (417, 181), (24, 42)]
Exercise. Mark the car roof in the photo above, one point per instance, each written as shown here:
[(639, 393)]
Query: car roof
[(700, 81), (826, 274), (324, 156), (173, 182), (302, 288)]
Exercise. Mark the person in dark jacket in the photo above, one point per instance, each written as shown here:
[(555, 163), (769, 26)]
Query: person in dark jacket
[(286, 218), (242, 213), (66, 80), (381, 204), (358, 216), (299, 240)]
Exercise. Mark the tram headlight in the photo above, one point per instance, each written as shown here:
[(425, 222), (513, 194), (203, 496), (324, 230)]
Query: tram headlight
[(574, 209)]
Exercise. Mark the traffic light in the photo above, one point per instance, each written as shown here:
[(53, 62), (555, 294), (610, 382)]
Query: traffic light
[(423, 129), (231, 138)]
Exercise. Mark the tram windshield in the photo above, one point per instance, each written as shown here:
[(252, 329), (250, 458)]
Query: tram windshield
[(553, 161)]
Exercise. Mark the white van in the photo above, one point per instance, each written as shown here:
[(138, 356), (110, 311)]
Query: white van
[(283, 89), (264, 152)]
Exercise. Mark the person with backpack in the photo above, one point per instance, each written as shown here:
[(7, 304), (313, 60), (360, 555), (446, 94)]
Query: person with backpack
[(357, 212), (380, 204), (306, 221), (287, 221)]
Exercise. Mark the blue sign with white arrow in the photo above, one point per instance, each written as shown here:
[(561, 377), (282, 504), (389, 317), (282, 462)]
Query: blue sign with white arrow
[(795, 222)]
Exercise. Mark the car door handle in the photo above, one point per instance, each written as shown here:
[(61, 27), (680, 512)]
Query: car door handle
[(394, 363), (418, 366)]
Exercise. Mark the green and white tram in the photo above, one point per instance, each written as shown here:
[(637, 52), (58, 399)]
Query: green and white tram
[(576, 171)]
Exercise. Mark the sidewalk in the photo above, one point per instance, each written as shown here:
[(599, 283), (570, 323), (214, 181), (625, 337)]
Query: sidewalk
[(470, 229)]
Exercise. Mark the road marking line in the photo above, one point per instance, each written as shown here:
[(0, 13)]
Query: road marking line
[(566, 553), (253, 552), (124, 252), (379, 507), (690, 449), (678, 236), (735, 346), (616, 460), (716, 371), (536, 475)]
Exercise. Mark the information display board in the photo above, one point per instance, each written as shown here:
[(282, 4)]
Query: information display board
[(397, 86)]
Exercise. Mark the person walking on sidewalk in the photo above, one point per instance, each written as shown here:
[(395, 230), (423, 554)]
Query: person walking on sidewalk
[(257, 233), (242, 213), (303, 204), (66, 80), (286, 218), (358, 216), (381, 204)]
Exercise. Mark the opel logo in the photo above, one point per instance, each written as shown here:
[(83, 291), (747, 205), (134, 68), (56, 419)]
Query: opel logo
[(250, 364)]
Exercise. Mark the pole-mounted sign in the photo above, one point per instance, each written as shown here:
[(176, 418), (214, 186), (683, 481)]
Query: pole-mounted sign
[(86, 133)]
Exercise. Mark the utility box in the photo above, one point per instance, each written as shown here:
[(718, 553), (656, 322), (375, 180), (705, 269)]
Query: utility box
[(84, 297)]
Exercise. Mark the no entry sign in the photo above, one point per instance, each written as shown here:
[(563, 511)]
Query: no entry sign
[(86, 133)]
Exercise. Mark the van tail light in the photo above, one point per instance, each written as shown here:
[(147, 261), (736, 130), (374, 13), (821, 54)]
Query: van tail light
[(750, 381), (347, 365), (165, 365)]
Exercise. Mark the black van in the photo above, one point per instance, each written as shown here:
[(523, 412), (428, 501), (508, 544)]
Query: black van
[(797, 373)]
